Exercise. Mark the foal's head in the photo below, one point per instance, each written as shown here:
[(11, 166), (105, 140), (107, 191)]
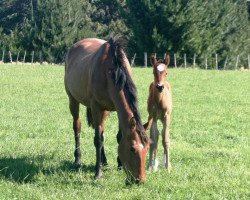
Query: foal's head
[(159, 71)]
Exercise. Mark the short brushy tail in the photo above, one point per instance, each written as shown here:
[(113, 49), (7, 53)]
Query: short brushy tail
[(90, 118)]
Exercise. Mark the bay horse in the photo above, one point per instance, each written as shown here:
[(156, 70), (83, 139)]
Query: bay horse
[(159, 108), (98, 75)]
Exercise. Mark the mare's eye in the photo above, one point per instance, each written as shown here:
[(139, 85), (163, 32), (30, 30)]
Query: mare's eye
[(132, 149)]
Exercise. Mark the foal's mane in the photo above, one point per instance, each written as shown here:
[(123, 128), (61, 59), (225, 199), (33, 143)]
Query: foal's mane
[(122, 79)]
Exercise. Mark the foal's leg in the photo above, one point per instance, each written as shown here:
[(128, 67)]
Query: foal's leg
[(166, 141), (153, 151), (74, 109)]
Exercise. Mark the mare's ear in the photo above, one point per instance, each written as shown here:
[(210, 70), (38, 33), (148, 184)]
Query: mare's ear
[(132, 123), (153, 60), (167, 60)]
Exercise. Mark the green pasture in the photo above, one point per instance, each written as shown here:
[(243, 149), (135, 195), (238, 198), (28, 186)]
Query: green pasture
[(210, 138)]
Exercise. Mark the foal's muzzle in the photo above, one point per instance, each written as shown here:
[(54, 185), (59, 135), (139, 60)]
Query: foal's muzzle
[(160, 87)]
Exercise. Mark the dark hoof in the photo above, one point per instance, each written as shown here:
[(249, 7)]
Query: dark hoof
[(98, 175), (78, 163)]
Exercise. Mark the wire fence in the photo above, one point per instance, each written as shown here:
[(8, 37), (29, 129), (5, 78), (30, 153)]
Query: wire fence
[(143, 60)]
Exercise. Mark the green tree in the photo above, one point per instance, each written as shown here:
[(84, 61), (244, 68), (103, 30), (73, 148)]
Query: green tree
[(55, 25)]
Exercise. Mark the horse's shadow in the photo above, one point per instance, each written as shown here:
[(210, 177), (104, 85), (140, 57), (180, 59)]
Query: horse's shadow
[(23, 169), (20, 170), (67, 166)]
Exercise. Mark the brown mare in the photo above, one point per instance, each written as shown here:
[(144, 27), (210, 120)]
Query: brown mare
[(159, 108), (98, 75)]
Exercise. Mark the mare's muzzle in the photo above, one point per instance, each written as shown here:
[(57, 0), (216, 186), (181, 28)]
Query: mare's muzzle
[(160, 87)]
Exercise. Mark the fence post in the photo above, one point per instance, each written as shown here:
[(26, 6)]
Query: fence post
[(164, 57), (249, 61), (40, 57), (10, 57), (194, 60), (145, 59), (185, 60), (206, 62), (24, 56), (3, 56), (17, 56), (237, 62), (175, 64), (32, 57), (225, 64), (133, 60), (216, 61)]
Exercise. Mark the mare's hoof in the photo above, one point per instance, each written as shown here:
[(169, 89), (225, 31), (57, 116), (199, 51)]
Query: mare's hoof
[(78, 163), (98, 175)]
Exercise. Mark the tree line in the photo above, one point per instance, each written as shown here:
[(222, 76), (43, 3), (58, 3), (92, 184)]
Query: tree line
[(179, 27)]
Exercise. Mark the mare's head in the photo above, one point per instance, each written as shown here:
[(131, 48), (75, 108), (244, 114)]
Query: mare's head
[(159, 71), (132, 151), (134, 143)]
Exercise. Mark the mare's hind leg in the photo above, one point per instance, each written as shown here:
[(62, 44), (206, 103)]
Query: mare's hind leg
[(166, 141), (99, 119), (118, 138), (153, 151), (74, 109)]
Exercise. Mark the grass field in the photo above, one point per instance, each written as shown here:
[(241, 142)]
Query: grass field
[(210, 139)]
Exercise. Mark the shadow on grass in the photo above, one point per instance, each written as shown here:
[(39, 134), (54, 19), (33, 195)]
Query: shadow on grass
[(23, 170), (20, 170), (68, 166)]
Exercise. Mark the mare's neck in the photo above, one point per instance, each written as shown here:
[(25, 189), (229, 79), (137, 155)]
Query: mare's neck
[(123, 110)]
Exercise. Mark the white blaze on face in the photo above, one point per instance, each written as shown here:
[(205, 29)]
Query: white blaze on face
[(161, 67)]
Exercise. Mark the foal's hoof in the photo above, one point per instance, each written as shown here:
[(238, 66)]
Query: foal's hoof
[(168, 167)]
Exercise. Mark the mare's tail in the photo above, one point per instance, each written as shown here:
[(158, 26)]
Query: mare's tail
[(90, 118)]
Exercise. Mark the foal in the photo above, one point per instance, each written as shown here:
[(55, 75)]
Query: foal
[(159, 108)]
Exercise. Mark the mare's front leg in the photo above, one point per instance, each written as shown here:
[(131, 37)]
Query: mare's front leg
[(99, 119), (166, 141), (74, 109), (153, 151), (103, 156), (118, 138)]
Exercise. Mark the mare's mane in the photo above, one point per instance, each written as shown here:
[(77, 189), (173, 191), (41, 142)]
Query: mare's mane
[(122, 79)]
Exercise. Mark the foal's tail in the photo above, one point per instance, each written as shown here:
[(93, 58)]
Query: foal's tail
[(90, 118)]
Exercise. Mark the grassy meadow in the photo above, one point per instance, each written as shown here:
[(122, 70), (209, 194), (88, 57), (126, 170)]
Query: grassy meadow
[(210, 138)]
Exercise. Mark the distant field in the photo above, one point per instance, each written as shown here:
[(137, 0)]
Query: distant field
[(210, 138)]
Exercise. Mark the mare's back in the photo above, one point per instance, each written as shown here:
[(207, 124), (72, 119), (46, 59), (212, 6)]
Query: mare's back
[(80, 51), (78, 65)]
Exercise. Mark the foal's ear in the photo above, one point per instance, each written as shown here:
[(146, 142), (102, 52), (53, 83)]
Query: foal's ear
[(153, 60), (132, 123), (167, 60)]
